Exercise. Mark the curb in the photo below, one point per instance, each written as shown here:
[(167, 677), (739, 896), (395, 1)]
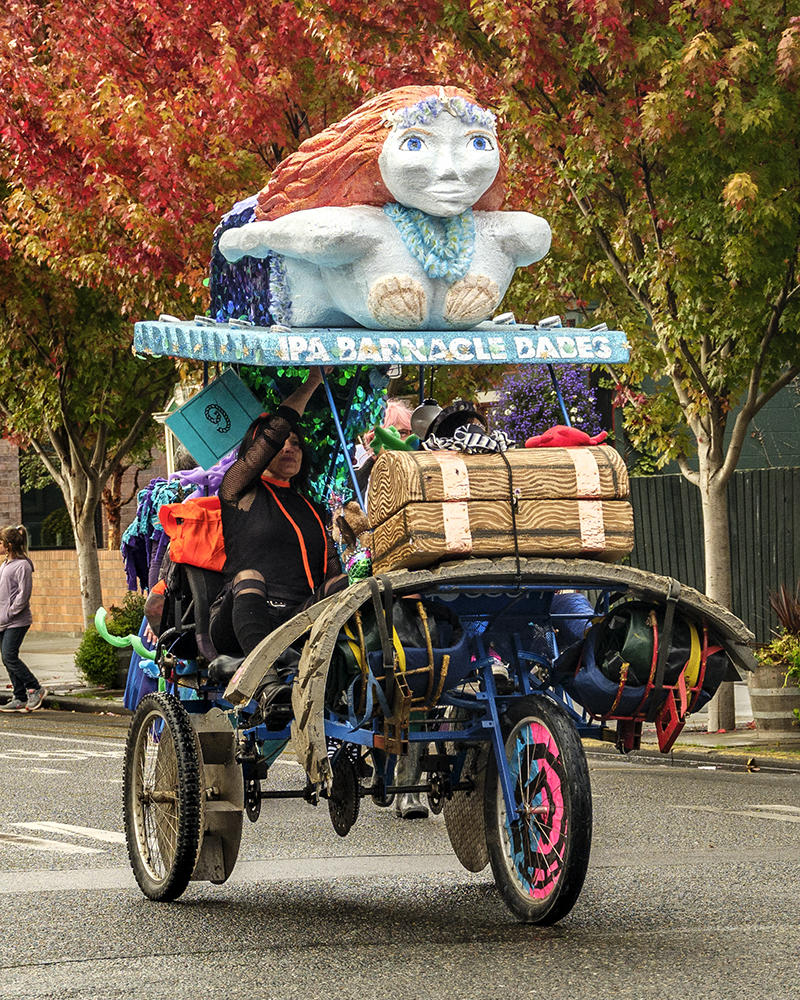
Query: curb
[(695, 756), (98, 706)]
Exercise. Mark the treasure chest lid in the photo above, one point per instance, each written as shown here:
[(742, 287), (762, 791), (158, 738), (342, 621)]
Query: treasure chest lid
[(587, 473)]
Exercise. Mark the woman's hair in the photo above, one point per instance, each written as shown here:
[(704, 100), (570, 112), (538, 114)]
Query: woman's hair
[(183, 459), (397, 414), (262, 424), (339, 166), (16, 540)]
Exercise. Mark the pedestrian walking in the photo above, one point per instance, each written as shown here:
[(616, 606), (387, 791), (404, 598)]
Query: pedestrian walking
[(16, 582)]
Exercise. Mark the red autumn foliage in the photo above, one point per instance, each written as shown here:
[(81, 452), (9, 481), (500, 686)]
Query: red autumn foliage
[(130, 125)]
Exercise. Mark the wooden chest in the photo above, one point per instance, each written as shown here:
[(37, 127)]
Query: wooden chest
[(428, 506)]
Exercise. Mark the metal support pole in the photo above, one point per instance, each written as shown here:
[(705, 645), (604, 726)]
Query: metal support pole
[(348, 406), (342, 439), (493, 724), (559, 397)]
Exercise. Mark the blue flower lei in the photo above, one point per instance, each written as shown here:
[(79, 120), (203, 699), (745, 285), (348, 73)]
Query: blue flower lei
[(449, 258)]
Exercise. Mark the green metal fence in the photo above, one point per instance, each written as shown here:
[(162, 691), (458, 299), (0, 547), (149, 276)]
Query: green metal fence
[(764, 506)]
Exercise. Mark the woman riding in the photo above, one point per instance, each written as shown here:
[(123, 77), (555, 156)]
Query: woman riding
[(279, 555)]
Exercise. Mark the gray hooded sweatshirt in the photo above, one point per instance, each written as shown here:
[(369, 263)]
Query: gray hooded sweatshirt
[(16, 582)]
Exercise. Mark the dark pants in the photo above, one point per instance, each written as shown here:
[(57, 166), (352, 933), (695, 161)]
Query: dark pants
[(224, 633), (240, 620), (21, 678)]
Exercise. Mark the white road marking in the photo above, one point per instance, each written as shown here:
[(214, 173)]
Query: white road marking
[(776, 807), (47, 754), (42, 844), (108, 836), (60, 739), (45, 770), (758, 812)]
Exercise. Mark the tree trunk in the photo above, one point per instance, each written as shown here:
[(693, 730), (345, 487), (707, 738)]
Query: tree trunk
[(717, 549), (88, 567), (83, 500), (112, 502)]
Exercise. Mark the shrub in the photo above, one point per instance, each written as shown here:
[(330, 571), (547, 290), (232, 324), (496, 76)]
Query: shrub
[(128, 618), (784, 650), (96, 659)]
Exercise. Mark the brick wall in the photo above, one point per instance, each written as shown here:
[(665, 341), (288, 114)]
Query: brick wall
[(10, 507), (56, 600)]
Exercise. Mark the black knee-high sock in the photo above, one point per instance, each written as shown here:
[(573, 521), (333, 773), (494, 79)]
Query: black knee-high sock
[(251, 620)]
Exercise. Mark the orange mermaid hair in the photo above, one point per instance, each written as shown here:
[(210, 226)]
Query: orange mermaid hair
[(339, 166)]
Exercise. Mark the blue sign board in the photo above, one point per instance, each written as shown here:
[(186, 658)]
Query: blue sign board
[(487, 344)]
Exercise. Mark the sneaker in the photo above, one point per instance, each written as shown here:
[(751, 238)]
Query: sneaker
[(503, 683), (35, 699), (15, 705)]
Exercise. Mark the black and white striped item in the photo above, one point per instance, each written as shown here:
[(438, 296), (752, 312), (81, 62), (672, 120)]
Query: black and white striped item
[(471, 439)]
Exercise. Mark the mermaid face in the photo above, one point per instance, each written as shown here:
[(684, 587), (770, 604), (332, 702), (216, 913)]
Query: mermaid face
[(441, 167)]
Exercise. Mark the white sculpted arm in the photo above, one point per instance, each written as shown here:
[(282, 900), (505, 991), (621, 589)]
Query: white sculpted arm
[(523, 236), (327, 237)]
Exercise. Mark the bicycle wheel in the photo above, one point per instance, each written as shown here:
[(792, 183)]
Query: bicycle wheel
[(162, 797), (539, 862)]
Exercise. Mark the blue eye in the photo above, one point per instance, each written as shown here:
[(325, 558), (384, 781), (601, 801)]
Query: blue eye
[(413, 143), (481, 142)]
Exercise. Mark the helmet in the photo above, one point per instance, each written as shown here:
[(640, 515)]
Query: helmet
[(458, 414)]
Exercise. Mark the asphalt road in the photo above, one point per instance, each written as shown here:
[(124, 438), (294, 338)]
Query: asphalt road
[(692, 891)]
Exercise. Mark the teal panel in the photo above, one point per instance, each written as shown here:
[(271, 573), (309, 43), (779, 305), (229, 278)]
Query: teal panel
[(213, 422), (487, 344)]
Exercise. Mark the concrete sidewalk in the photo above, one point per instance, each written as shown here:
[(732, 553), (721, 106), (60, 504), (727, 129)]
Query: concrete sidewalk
[(50, 656)]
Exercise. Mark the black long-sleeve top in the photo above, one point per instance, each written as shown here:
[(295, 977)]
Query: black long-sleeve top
[(269, 527)]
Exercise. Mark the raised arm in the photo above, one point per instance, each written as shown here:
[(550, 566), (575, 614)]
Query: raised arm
[(327, 237), (266, 441)]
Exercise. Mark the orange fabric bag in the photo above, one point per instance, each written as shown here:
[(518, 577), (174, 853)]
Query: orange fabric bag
[(194, 528)]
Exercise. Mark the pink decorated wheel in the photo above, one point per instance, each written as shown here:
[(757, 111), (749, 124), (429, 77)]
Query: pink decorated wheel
[(539, 859)]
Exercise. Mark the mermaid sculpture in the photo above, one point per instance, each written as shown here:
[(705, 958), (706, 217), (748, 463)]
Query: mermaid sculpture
[(388, 219)]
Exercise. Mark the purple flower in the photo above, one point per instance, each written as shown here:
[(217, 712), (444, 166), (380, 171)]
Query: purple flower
[(527, 404)]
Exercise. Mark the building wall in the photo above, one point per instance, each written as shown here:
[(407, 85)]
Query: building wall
[(56, 599), (10, 507)]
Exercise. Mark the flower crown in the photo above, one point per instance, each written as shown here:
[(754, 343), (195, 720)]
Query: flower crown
[(431, 107)]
